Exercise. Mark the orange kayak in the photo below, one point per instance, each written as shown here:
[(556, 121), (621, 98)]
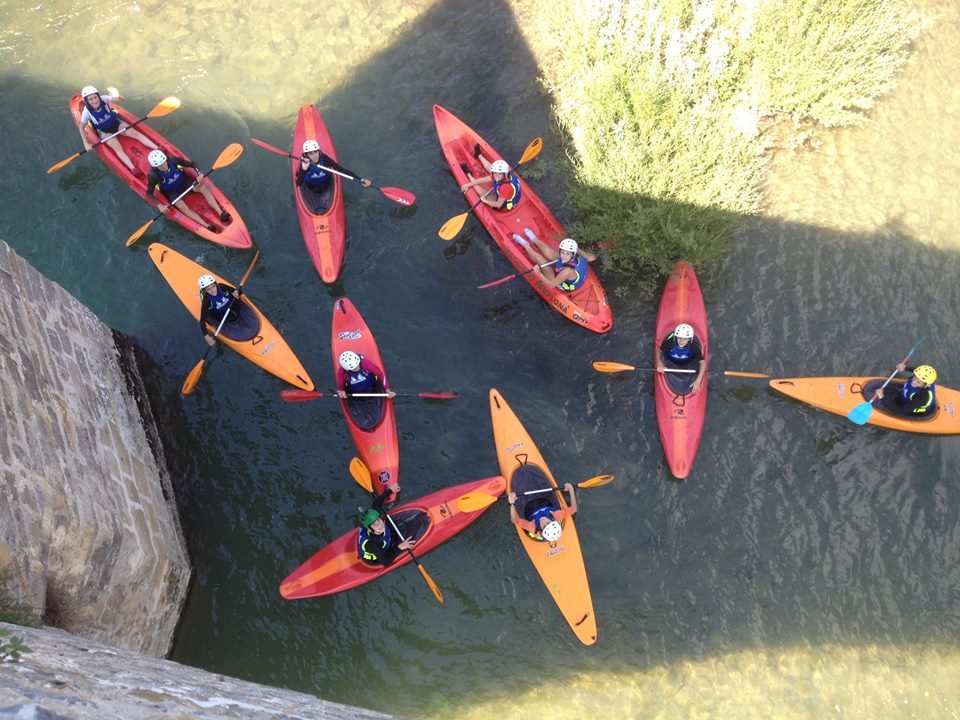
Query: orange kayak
[(323, 219), (840, 395), (233, 234), (252, 336), (560, 563), (586, 306)]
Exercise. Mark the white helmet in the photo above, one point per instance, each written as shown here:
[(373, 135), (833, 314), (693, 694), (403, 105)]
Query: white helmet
[(499, 166), (552, 531), (89, 90), (206, 281), (570, 245), (156, 158), (349, 361), (311, 146), (684, 332)]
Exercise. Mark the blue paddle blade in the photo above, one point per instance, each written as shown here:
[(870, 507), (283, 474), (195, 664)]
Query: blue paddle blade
[(861, 413)]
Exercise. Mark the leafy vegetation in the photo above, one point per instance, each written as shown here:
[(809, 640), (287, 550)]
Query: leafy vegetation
[(12, 610), (670, 107)]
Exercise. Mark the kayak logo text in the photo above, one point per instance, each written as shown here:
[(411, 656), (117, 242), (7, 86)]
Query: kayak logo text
[(514, 447), (350, 335)]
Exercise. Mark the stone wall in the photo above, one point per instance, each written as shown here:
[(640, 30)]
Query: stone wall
[(87, 514), (65, 677)]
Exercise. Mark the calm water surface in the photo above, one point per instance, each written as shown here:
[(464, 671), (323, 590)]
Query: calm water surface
[(806, 569)]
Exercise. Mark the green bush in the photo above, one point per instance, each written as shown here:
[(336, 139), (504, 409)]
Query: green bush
[(664, 103), (12, 610)]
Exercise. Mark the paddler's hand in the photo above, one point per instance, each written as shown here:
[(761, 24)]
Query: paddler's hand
[(660, 367), (512, 498), (341, 394), (209, 339), (163, 208), (569, 488), (901, 367), (391, 394), (236, 294), (365, 182), (200, 177), (407, 544), (305, 163), (695, 388), (878, 395)]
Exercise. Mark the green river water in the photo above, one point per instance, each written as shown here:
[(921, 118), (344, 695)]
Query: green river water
[(807, 568)]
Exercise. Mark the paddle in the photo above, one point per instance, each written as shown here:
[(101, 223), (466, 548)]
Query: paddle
[(398, 195), (477, 501), (450, 229), (615, 367), (515, 275), (361, 474), (190, 384), (227, 156), (164, 107), (862, 412), (298, 395)]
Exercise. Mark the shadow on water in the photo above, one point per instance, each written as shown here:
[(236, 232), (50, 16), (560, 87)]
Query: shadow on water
[(795, 529)]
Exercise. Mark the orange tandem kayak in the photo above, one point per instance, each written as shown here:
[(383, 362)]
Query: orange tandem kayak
[(559, 563)]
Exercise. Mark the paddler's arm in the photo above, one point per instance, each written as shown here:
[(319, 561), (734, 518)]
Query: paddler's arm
[(331, 163), (698, 380), (515, 516)]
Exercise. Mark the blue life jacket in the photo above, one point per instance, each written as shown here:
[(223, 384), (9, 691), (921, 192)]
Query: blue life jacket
[(579, 265), (544, 510), (218, 302), (512, 202), (372, 548), (171, 181), (680, 355), (105, 120), (908, 391), (317, 177), (360, 381)]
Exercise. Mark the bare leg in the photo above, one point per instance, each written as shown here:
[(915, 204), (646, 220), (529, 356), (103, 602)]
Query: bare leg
[(182, 207), (114, 145), (140, 137), (208, 196)]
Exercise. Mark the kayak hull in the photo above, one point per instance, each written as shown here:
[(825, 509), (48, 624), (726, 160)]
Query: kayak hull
[(839, 395), (265, 346), (324, 233), (372, 421), (336, 567), (588, 305), (680, 416), (233, 234), (559, 564)]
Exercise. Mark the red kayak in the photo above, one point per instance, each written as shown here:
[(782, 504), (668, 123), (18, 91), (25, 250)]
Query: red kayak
[(372, 422), (679, 414), (586, 306), (232, 234), (431, 520), (322, 217)]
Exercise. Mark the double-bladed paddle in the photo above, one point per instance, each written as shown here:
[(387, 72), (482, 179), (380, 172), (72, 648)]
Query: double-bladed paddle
[(477, 501), (164, 107), (298, 395), (615, 367), (398, 195), (862, 412), (226, 157), (361, 474), (516, 275), (190, 384), (449, 230)]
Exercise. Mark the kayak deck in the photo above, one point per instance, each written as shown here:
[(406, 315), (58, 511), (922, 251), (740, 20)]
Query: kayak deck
[(839, 395), (560, 564), (232, 234), (588, 305)]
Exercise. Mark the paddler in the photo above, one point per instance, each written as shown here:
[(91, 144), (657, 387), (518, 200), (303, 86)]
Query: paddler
[(504, 193), (682, 349), (357, 374), (168, 179), (376, 542), (315, 178), (106, 121), (541, 517), (917, 396), (569, 269), (215, 300)]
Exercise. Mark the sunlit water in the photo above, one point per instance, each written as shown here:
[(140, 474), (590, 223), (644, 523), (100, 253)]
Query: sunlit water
[(807, 568)]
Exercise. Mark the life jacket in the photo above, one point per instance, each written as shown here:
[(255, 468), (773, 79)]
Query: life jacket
[(372, 548), (680, 355), (908, 391), (172, 180), (316, 177), (543, 508), (105, 120), (360, 381), (579, 265), (216, 303), (514, 199)]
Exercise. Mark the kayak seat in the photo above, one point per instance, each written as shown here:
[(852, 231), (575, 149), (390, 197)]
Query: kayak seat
[(317, 203), (888, 404), (367, 413), (246, 325), (412, 523)]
